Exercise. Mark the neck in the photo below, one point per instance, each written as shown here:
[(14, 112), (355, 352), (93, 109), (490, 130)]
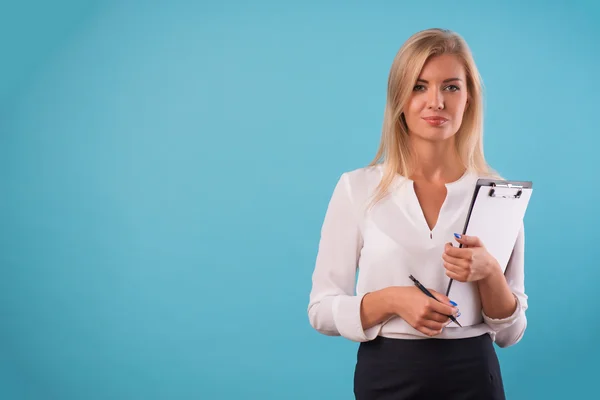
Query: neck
[(436, 162)]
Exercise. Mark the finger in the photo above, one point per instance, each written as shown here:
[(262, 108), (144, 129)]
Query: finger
[(448, 246), (455, 276), (433, 325), (464, 253), (445, 300), (430, 328), (441, 297), (471, 241), (457, 269), (429, 332), (437, 317), (461, 262), (441, 308)]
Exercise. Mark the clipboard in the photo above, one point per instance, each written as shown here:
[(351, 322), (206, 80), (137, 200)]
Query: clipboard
[(495, 216)]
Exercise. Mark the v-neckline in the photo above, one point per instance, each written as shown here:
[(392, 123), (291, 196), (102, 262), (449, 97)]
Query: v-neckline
[(450, 187), (438, 217)]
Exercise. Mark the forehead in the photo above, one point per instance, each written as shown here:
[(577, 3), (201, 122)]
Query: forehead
[(443, 67)]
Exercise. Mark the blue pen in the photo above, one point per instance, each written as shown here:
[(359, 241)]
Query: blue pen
[(428, 293)]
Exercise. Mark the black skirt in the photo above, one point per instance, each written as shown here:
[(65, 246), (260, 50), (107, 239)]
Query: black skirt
[(399, 369)]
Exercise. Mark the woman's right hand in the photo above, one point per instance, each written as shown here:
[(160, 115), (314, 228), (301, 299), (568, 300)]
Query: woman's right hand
[(421, 311)]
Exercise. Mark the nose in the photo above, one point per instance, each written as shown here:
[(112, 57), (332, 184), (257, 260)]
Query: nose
[(435, 100)]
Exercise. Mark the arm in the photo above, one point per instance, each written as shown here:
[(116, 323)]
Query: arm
[(497, 299), (504, 300), (376, 307), (333, 308)]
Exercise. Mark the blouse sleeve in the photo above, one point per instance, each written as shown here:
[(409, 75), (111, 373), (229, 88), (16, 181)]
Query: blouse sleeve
[(334, 309), (509, 331)]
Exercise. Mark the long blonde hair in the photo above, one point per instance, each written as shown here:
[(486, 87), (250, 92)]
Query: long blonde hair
[(394, 151)]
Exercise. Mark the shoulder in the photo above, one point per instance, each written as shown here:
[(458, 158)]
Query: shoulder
[(363, 179), (361, 183), (474, 176), (489, 176)]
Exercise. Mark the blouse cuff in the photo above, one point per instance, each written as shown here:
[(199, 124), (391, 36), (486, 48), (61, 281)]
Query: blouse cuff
[(498, 324), (346, 314)]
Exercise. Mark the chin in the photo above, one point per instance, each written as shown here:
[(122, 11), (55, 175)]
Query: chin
[(435, 135)]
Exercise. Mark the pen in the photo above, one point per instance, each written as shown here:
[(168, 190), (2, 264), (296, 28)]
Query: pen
[(428, 293)]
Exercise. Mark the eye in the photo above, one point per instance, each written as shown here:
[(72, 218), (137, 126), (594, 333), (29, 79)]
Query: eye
[(419, 88), (452, 88)]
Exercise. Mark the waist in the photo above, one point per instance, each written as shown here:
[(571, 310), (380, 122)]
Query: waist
[(397, 328), (431, 350)]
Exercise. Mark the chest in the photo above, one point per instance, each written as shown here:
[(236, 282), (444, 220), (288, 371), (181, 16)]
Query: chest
[(430, 197)]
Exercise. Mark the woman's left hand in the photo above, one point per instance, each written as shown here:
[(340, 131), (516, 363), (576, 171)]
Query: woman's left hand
[(470, 263)]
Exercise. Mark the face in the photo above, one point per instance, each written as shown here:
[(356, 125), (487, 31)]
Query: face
[(439, 99)]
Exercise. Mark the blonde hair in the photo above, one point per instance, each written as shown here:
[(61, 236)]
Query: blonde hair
[(394, 152)]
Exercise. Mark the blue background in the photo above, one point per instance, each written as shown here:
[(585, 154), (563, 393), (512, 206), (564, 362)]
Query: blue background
[(165, 170)]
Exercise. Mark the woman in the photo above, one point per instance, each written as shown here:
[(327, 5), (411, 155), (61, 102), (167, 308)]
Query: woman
[(397, 217)]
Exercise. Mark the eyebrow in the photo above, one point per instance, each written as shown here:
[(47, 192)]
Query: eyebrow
[(445, 81)]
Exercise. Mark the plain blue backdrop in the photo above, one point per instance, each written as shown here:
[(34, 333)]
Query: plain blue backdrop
[(166, 166)]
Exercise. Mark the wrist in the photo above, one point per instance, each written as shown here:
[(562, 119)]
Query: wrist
[(392, 299), (381, 301), (495, 271)]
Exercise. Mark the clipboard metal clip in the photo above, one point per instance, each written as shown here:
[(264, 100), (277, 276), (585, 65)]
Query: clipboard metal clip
[(508, 186)]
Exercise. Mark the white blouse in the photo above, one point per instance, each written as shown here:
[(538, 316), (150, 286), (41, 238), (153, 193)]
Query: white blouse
[(385, 244)]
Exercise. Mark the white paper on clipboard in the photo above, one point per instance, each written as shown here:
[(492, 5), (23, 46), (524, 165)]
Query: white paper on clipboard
[(496, 218)]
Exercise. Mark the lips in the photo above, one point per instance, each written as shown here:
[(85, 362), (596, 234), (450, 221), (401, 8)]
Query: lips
[(435, 121), (440, 119)]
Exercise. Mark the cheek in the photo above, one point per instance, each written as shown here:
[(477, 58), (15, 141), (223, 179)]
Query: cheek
[(458, 109), (413, 111), (415, 105), (463, 102)]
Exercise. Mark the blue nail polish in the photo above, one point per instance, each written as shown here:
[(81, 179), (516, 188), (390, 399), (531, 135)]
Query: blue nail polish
[(458, 315), (456, 235), (453, 303)]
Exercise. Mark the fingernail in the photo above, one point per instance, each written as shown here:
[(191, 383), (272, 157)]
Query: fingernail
[(458, 315), (453, 303), (456, 235)]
